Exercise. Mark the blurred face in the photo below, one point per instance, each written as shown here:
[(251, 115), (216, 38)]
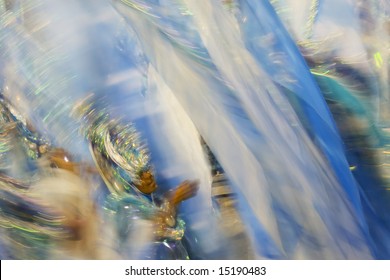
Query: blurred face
[(61, 159), (147, 183)]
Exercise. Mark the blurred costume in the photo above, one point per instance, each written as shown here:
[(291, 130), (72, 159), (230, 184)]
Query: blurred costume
[(167, 99)]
